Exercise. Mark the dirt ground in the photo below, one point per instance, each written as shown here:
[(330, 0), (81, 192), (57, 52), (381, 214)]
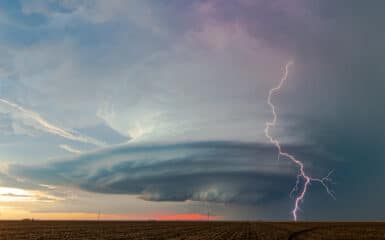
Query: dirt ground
[(155, 230)]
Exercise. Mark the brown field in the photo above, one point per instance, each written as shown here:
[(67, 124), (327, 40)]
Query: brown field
[(154, 230)]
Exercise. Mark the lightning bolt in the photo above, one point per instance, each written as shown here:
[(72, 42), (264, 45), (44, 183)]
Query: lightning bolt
[(302, 175)]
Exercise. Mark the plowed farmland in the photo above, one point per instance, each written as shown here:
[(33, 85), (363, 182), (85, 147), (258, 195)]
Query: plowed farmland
[(159, 230)]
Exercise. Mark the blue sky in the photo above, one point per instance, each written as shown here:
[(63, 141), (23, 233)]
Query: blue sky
[(160, 107)]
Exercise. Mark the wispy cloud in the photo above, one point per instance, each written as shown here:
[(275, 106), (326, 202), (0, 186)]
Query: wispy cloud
[(21, 195), (39, 123), (70, 149)]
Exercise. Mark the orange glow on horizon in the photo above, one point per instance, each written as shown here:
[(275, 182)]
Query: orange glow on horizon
[(187, 217), (18, 214)]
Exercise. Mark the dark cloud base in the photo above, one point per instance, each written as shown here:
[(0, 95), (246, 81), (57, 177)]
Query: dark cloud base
[(227, 172)]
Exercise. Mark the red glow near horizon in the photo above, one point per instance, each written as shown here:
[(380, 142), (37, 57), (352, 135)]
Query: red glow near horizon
[(186, 217)]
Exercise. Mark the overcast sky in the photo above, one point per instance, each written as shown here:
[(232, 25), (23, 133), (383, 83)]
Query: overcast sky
[(153, 108)]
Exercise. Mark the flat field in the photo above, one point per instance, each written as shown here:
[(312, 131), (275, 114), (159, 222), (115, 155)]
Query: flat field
[(155, 230)]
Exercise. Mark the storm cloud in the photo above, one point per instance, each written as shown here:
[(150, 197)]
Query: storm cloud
[(139, 75), (225, 172)]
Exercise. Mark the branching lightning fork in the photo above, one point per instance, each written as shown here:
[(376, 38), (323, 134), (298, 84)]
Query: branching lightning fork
[(302, 175)]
